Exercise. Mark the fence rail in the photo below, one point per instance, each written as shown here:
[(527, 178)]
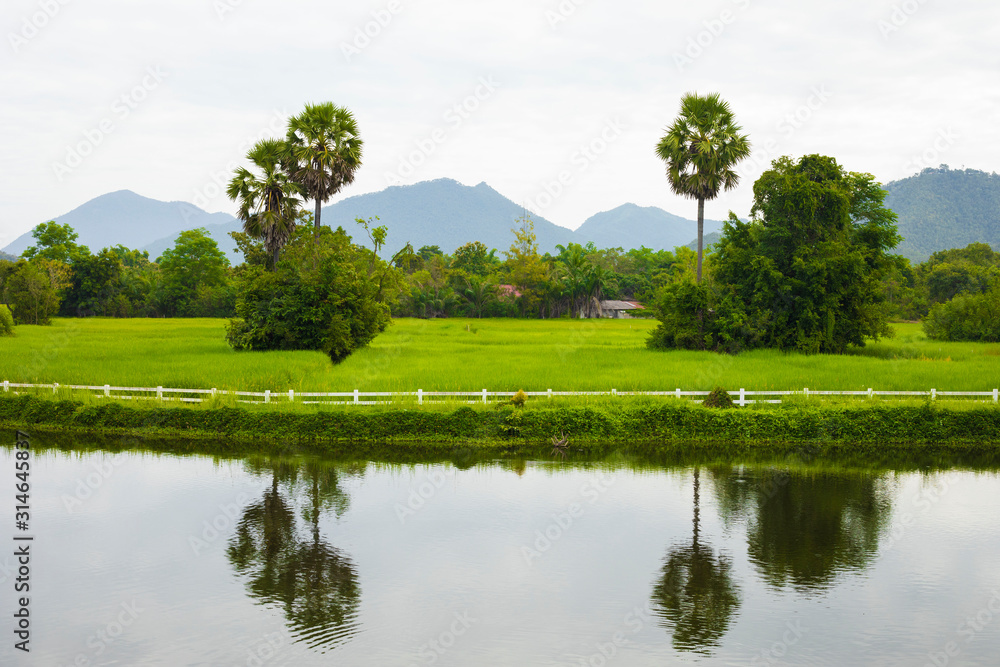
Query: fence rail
[(357, 397)]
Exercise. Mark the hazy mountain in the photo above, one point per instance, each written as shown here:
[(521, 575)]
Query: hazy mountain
[(707, 241), (630, 226), (9, 258), (944, 208), (128, 219)]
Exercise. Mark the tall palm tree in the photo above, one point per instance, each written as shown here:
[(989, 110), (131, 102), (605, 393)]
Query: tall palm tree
[(269, 201), (700, 149), (324, 151)]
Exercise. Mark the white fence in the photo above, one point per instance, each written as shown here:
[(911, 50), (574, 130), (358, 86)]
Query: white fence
[(385, 397)]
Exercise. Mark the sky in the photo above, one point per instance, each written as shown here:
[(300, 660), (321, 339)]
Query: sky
[(557, 104)]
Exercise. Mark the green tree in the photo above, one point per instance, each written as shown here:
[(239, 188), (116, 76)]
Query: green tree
[(194, 263), (525, 266), (327, 294), (701, 148), (268, 201), (324, 149), (475, 259), (32, 289), (55, 241), (480, 293), (95, 283)]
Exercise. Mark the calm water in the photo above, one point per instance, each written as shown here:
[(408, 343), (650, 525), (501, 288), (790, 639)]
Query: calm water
[(148, 559)]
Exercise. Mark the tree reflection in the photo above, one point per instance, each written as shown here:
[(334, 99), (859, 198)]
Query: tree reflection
[(696, 595), (313, 583), (804, 529)]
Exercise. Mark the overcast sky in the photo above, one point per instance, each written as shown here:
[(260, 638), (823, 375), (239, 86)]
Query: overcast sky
[(163, 98)]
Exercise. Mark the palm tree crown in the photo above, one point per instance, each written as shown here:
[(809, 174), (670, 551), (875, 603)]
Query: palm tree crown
[(324, 151), (701, 148), (268, 202)]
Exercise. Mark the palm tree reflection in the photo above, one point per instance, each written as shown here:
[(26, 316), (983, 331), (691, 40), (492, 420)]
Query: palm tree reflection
[(695, 595), (313, 583)]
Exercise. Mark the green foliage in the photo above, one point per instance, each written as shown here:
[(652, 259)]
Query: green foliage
[(804, 274), (327, 294), (719, 398), (519, 399), (6, 321), (973, 317), (33, 289), (56, 242), (474, 258), (191, 270)]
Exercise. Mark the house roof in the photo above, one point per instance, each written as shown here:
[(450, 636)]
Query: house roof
[(621, 305)]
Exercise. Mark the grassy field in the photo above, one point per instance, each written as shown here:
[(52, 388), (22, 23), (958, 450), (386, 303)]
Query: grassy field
[(470, 355)]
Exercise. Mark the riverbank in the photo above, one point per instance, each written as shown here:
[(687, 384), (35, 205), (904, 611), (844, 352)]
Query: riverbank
[(639, 425)]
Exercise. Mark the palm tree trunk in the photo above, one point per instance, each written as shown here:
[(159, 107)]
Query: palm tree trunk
[(701, 232), (274, 265), (318, 212)]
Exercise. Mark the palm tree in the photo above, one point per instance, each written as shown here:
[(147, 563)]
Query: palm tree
[(700, 149), (324, 151), (269, 202), (479, 292)]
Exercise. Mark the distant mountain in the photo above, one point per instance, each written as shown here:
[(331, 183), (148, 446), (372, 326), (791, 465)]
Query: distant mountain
[(9, 258), (444, 213), (945, 208), (630, 226), (128, 219), (708, 240)]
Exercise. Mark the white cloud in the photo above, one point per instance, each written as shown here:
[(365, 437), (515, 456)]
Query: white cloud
[(561, 81)]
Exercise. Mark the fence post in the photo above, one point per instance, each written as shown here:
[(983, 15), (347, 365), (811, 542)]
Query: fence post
[(550, 395), (159, 393), (870, 392), (743, 397), (267, 395), (356, 401), (678, 392), (291, 395), (107, 390), (933, 394), (806, 391), (213, 392), (614, 392), (6, 387), (420, 396), (484, 396), (996, 393), (55, 387)]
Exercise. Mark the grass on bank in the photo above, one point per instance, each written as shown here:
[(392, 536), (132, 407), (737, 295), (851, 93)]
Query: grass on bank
[(469, 355)]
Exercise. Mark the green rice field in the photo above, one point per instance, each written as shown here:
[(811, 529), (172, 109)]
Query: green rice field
[(471, 355)]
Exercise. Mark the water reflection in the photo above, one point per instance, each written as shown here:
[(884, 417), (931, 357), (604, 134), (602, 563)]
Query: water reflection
[(313, 583), (805, 529), (695, 595)]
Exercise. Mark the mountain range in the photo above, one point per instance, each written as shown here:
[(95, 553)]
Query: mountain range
[(937, 209)]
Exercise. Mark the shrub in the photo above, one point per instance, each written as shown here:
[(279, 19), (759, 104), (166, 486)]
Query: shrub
[(518, 399), (719, 398), (973, 317), (6, 321)]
